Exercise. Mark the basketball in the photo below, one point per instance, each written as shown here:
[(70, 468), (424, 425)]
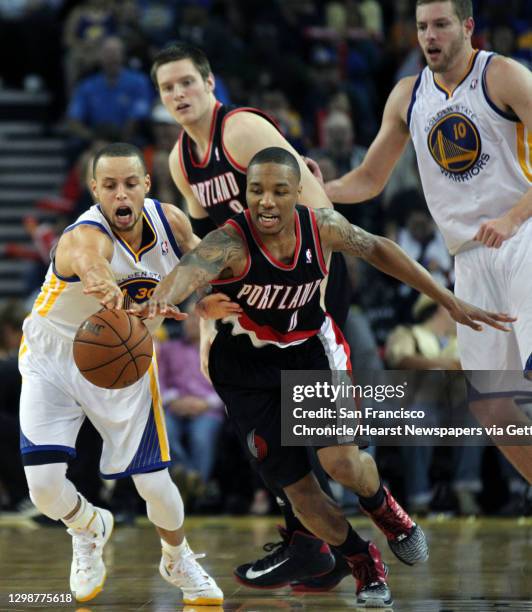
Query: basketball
[(113, 349)]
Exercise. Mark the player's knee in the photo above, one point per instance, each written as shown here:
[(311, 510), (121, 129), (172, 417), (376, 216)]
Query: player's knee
[(164, 505), (50, 490)]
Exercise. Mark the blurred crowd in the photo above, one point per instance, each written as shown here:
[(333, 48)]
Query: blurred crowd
[(323, 70)]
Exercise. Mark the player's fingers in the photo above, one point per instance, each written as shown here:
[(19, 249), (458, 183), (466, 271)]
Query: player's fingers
[(493, 320), (479, 236), (491, 238), (472, 324), (221, 297), (233, 307), (173, 313), (501, 316)]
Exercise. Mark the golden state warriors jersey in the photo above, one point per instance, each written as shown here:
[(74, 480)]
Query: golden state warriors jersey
[(61, 304), (474, 159)]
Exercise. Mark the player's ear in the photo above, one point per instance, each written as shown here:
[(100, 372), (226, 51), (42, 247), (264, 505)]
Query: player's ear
[(469, 26), (147, 183), (94, 190), (210, 82)]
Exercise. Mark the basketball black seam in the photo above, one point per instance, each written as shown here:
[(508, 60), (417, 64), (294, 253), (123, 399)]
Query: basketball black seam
[(132, 358), (98, 316), (101, 365), (80, 341), (123, 341), (122, 371)]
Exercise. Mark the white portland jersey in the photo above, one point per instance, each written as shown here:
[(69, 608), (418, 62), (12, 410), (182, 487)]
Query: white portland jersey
[(474, 159), (61, 303)]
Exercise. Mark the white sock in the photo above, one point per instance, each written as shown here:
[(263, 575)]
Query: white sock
[(83, 517), (174, 551)]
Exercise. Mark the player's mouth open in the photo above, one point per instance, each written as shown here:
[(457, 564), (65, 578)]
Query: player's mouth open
[(267, 220), (124, 215), (183, 107), (433, 52)]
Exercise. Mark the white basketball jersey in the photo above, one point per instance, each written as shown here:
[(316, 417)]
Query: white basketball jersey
[(474, 159), (61, 303)]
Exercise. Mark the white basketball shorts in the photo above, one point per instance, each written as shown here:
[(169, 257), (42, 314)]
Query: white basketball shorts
[(55, 399), (497, 280)]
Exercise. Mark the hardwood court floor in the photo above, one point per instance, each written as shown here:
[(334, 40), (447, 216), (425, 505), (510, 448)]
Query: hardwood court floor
[(475, 566)]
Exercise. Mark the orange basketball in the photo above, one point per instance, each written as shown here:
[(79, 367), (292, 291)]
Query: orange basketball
[(113, 349)]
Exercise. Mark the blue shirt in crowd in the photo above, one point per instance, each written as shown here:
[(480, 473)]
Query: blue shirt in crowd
[(96, 102)]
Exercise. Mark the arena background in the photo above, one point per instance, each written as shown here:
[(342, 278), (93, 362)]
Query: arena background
[(323, 70)]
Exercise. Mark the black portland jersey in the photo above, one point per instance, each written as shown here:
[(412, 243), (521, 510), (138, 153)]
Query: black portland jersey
[(280, 302), (217, 181)]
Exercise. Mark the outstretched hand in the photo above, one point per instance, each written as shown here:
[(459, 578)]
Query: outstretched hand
[(467, 314), (153, 307), (108, 292), (217, 306)]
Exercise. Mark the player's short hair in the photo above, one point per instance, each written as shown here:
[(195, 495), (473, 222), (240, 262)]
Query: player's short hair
[(118, 149), (181, 51), (462, 8), (276, 155)]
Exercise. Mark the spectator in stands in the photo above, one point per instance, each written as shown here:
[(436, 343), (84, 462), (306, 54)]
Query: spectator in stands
[(275, 103), (164, 134), (13, 487), (194, 412), (430, 344), (419, 237), (85, 28), (117, 99)]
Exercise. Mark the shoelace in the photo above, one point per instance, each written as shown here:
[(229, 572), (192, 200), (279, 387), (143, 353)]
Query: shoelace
[(392, 520), (84, 548), (366, 574), (276, 550), (189, 568)]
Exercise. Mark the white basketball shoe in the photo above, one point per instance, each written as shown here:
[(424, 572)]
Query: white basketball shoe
[(187, 574), (87, 574)]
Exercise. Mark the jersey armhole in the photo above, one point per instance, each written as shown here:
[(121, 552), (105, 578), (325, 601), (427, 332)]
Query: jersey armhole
[(247, 109), (317, 241), (413, 99), (491, 103), (181, 153), (167, 228)]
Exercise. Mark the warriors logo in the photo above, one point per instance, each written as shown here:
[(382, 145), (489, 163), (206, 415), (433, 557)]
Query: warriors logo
[(137, 290), (454, 143)]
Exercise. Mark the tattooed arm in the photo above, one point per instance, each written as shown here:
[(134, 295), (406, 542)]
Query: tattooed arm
[(337, 234), (222, 253)]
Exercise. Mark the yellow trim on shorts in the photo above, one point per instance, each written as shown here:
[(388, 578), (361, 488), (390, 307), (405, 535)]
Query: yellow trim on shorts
[(158, 412), (524, 150), (53, 291)]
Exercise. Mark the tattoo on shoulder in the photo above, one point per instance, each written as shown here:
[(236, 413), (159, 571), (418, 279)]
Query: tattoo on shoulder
[(340, 235)]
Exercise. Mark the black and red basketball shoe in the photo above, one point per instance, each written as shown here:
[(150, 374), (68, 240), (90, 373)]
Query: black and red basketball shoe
[(296, 557), (405, 538)]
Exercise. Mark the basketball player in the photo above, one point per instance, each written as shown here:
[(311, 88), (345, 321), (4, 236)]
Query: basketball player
[(469, 114), (270, 260), (208, 165), (114, 254)]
